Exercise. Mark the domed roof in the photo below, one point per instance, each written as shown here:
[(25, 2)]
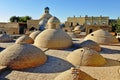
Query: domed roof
[(25, 39), (5, 38), (90, 44), (85, 57), (53, 23), (53, 20), (34, 34), (46, 16), (78, 28), (74, 74), (102, 37), (20, 56), (53, 39)]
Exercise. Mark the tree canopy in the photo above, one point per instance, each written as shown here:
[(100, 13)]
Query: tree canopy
[(115, 25), (118, 25), (20, 19)]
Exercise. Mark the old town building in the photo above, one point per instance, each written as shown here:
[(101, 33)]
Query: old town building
[(13, 28), (90, 23)]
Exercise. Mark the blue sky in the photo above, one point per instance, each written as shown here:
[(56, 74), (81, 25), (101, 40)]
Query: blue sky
[(59, 8)]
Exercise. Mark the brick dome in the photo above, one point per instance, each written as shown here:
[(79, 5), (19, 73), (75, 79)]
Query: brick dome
[(21, 56), (102, 37), (5, 38), (25, 39), (34, 34), (74, 74), (53, 39), (86, 57)]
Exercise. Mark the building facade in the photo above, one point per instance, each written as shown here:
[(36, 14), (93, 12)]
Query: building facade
[(90, 23), (13, 28)]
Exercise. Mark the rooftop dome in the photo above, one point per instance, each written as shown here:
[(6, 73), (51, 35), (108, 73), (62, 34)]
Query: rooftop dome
[(102, 37), (25, 39), (5, 38), (53, 39), (53, 23), (34, 34), (86, 57), (78, 28), (20, 56), (46, 16), (74, 74), (90, 44), (53, 20)]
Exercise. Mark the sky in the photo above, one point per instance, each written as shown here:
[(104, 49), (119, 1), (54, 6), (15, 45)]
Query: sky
[(59, 8)]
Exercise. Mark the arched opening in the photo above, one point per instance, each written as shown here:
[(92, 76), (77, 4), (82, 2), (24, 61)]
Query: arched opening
[(91, 30), (71, 24), (77, 24), (92, 34), (13, 32), (32, 29), (21, 30), (0, 32)]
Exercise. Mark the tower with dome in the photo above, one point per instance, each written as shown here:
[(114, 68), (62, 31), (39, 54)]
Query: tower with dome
[(39, 24)]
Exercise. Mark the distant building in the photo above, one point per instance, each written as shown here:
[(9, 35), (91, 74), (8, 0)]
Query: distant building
[(13, 28), (90, 23), (22, 28)]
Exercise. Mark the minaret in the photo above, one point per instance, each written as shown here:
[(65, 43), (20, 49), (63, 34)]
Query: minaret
[(46, 10)]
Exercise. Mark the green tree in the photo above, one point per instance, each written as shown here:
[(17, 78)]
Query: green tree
[(20, 19), (113, 22), (14, 19), (118, 26)]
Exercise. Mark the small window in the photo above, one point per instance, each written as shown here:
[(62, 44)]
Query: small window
[(0, 32), (66, 30), (71, 24), (4, 32), (92, 34), (13, 32), (82, 50), (91, 30), (77, 24), (32, 28)]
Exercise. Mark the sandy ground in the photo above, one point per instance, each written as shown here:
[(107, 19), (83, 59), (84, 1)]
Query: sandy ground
[(57, 63)]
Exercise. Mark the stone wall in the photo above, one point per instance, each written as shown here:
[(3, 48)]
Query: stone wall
[(91, 28), (73, 21), (11, 28), (97, 20)]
